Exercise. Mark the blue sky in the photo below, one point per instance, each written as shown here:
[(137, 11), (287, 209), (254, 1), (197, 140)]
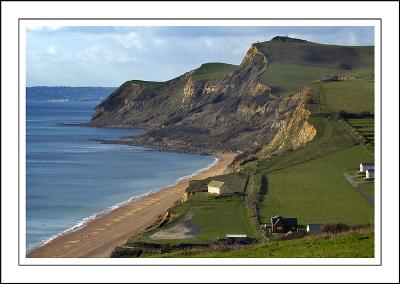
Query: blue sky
[(109, 56)]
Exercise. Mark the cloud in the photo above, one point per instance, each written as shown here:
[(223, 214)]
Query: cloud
[(52, 50), (128, 41), (35, 27), (97, 54), (109, 55)]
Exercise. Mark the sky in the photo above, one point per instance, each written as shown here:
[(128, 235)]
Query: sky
[(110, 55)]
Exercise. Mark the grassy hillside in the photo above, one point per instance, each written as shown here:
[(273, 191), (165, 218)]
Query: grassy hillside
[(352, 96), (365, 127), (214, 217), (293, 63), (289, 78), (316, 191), (213, 71), (343, 57), (347, 245)]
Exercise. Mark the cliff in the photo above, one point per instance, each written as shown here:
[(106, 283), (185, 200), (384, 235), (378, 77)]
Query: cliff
[(223, 108)]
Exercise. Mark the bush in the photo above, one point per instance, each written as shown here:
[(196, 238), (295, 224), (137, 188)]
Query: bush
[(125, 252)]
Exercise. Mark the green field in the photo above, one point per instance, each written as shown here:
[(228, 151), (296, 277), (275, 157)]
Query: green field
[(365, 127), (235, 181), (289, 78), (213, 71), (347, 245), (353, 96), (214, 217), (343, 57), (317, 192)]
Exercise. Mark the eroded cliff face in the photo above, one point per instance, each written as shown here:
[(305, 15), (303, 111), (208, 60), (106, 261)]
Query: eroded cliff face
[(294, 132), (235, 113)]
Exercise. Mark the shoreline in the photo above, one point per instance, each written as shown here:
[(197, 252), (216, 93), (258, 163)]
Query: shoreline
[(99, 236), (84, 221)]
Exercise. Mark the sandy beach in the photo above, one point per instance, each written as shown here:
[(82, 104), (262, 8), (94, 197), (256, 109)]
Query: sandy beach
[(100, 236)]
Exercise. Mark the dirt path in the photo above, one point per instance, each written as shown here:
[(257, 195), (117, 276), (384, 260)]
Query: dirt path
[(100, 236), (359, 188), (183, 230)]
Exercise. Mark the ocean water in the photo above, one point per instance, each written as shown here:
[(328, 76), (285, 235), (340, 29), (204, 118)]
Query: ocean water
[(71, 178)]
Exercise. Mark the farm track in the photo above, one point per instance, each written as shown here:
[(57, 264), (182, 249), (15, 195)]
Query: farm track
[(359, 188)]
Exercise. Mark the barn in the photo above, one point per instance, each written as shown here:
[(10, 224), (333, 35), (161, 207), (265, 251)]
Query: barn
[(282, 225), (313, 228), (370, 174), (366, 166), (218, 187)]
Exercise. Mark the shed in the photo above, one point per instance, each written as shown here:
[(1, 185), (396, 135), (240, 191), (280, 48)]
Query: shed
[(237, 238), (282, 225), (314, 228), (366, 166), (218, 187), (370, 174)]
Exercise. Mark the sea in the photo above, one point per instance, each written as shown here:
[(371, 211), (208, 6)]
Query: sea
[(71, 178)]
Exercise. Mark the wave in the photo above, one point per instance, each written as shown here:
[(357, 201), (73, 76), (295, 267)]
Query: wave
[(82, 223), (58, 100)]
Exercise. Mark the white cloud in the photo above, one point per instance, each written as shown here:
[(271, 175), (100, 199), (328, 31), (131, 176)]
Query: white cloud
[(97, 54), (34, 26), (128, 41), (52, 50)]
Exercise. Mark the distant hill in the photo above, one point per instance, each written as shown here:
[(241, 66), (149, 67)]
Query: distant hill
[(61, 93)]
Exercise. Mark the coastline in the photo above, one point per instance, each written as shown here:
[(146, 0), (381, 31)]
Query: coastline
[(99, 236)]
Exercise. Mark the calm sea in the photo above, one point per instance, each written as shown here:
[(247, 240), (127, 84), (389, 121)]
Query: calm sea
[(71, 178)]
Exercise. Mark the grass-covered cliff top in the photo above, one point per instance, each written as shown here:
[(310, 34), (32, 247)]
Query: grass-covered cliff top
[(213, 71)]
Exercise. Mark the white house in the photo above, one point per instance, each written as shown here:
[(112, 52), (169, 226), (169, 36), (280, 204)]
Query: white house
[(370, 174), (314, 228), (218, 187), (366, 166)]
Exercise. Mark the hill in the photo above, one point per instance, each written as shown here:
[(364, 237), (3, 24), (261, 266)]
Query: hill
[(223, 107)]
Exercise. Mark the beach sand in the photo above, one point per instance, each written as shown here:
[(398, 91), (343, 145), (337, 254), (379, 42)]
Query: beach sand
[(101, 235)]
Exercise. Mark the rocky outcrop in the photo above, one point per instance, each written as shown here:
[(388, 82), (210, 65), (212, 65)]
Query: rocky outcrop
[(294, 132)]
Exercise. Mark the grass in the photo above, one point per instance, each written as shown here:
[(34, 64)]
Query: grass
[(213, 71), (344, 57), (149, 84), (330, 137), (289, 78), (317, 192), (234, 181), (365, 127), (215, 217), (346, 245), (353, 96)]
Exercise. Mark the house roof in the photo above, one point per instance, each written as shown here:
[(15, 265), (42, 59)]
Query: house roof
[(290, 221), (277, 216), (215, 183), (371, 170), (367, 164), (235, 236)]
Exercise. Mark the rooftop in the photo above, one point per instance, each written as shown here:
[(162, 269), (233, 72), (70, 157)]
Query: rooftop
[(235, 236), (215, 183)]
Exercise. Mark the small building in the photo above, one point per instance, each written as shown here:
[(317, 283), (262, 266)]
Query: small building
[(218, 187), (370, 174), (314, 228), (366, 166), (283, 225), (237, 238), (232, 239)]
